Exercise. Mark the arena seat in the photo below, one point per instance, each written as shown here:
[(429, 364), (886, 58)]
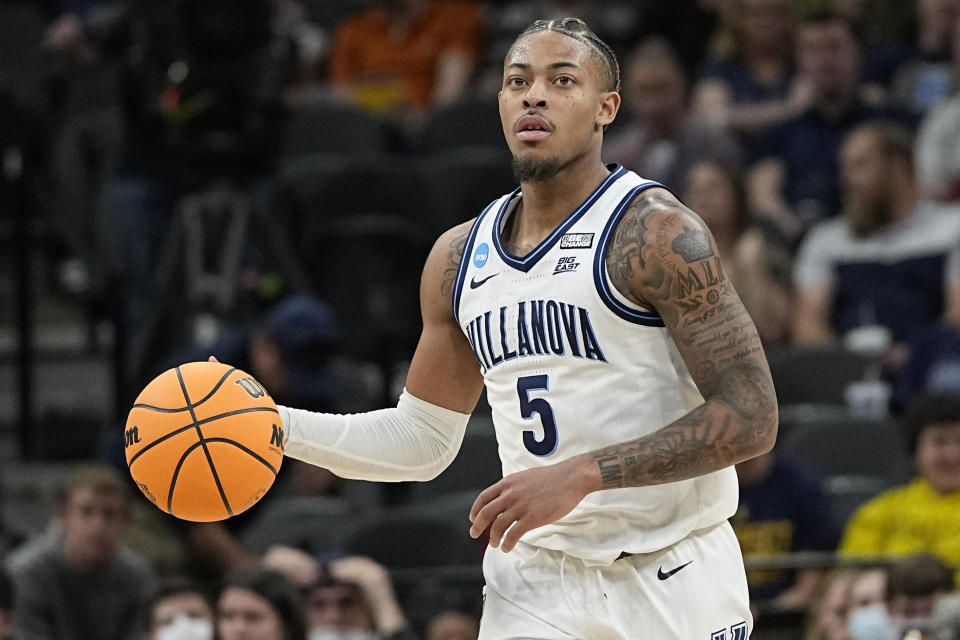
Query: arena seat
[(814, 374), (476, 467), (399, 539), (332, 127), (465, 123)]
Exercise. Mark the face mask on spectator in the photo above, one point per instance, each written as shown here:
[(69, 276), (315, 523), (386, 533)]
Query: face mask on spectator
[(337, 633), (871, 623), (186, 628)]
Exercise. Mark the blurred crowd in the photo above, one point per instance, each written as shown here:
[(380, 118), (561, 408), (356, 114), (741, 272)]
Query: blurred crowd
[(261, 179)]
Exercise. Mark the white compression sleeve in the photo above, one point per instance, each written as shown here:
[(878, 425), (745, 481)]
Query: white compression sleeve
[(415, 440)]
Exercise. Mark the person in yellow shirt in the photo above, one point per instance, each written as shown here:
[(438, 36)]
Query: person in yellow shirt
[(923, 515)]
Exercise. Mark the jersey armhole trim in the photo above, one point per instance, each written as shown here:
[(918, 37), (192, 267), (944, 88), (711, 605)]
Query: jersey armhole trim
[(465, 257), (602, 282)]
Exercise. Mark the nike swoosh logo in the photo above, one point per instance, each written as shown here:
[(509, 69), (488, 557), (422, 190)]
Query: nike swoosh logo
[(664, 576), (474, 283)]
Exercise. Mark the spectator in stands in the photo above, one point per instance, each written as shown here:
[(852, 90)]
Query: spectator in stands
[(181, 610), (452, 625), (351, 597), (751, 85), (79, 582), (755, 260), (914, 586), (290, 348), (407, 56), (867, 618), (889, 260), (911, 589), (918, 74), (262, 604), (783, 509), (923, 516), (658, 140), (938, 139), (869, 587), (932, 365), (827, 617), (795, 181)]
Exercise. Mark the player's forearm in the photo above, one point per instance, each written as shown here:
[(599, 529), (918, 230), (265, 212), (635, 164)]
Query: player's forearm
[(413, 441), (737, 423)]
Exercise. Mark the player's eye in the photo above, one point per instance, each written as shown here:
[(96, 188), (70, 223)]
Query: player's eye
[(564, 80), (516, 81)]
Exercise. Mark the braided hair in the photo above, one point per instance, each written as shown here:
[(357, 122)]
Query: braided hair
[(578, 30)]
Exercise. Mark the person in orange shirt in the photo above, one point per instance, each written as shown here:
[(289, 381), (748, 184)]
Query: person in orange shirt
[(407, 54)]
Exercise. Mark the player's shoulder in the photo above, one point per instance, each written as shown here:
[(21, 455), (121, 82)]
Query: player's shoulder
[(658, 201), (443, 263), (449, 245), (653, 216)]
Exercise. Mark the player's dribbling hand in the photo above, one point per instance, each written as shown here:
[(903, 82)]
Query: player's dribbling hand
[(527, 500)]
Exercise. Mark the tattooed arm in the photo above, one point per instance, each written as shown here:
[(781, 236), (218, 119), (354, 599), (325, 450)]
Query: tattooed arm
[(663, 257), (444, 368)]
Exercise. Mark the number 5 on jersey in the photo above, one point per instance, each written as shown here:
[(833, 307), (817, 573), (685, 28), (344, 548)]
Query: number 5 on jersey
[(530, 406)]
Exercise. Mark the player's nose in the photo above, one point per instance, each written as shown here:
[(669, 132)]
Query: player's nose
[(535, 96)]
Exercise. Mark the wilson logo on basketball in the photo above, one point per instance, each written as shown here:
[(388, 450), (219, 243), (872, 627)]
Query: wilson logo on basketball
[(276, 438), (252, 387), (133, 436)]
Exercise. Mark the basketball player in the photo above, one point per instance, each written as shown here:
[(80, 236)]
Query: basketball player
[(624, 376)]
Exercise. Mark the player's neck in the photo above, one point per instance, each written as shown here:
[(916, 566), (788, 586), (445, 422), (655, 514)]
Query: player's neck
[(546, 204)]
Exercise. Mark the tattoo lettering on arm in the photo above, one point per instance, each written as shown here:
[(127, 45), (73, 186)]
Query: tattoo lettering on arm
[(663, 257), (455, 256)]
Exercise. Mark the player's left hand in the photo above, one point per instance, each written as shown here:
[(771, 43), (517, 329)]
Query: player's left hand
[(528, 499)]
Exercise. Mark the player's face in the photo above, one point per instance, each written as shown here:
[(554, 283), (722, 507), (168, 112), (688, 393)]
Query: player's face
[(553, 103), (938, 456), (244, 615)]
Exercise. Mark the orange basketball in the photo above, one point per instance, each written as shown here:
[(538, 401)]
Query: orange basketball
[(204, 441)]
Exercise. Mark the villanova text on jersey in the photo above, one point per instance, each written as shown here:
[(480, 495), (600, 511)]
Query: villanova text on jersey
[(535, 327)]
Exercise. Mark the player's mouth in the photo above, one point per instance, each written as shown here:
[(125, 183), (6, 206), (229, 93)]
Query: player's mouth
[(533, 128)]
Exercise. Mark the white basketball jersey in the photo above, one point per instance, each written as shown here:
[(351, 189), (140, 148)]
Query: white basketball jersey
[(571, 366)]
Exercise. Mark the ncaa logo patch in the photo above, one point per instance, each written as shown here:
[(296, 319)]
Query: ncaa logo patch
[(480, 255)]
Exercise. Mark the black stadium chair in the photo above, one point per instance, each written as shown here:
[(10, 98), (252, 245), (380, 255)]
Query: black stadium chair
[(329, 15), (814, 374), (467, 123), (315, 524), (24, 69), (476, 467), (848, 446), (401, 540), (330, 127), (856, 458), (464, 181)]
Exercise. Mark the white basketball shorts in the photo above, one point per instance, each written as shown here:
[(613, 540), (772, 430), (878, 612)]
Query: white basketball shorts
[(693, 590)]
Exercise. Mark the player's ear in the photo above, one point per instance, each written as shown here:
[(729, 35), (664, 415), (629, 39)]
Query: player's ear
[(608, 108)]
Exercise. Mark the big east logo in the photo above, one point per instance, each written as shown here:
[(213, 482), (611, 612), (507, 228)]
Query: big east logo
[(566, 263)]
